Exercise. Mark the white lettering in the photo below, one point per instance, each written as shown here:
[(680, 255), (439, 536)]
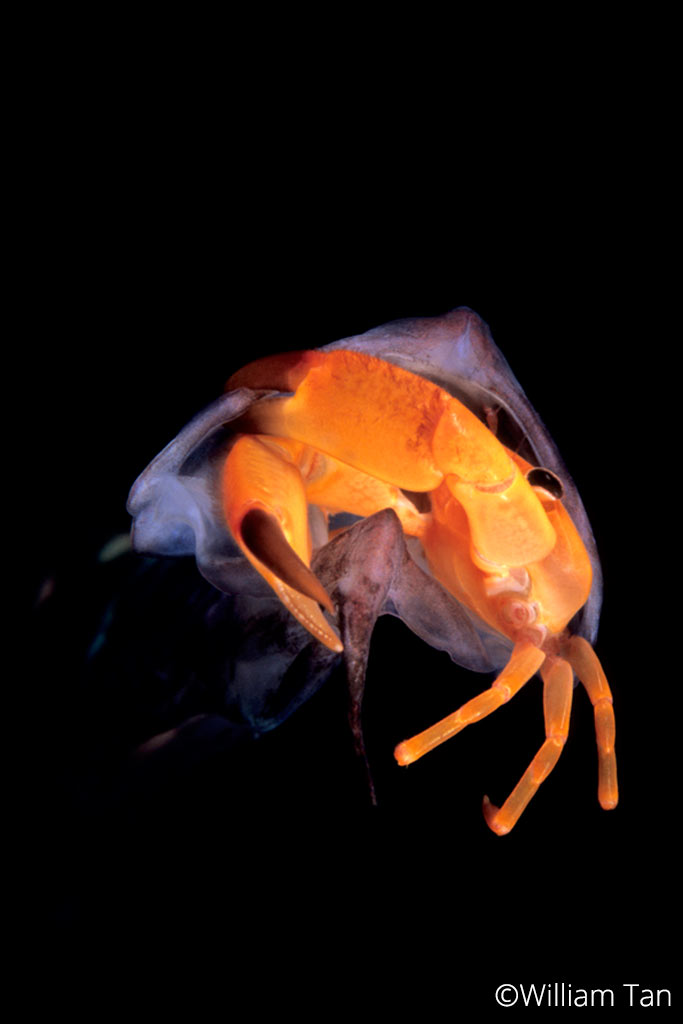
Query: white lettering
[(531, 991), (602, 992), (630, 988), (647, 996)]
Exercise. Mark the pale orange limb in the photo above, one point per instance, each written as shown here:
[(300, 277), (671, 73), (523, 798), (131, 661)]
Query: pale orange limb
[(265, 507), (558, 686), (267, 485), (524, 662), (587, 666), (337, 487)]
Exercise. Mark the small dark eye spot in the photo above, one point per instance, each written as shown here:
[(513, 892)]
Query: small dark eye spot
[(546, 479)]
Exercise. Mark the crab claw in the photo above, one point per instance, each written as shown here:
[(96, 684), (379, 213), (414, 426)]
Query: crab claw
[(264, 504), (263, 535)]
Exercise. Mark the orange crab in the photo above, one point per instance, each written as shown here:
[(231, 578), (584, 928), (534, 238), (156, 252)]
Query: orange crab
[(373, 423)]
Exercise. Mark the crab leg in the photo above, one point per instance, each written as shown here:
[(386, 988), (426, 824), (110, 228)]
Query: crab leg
[(524, 662), (337, 487), (587, 666), (558, 684)]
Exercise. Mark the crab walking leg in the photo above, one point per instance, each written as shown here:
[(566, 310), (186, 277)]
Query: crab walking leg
[(337, 487), (408, 432), (524, 662), (265, 508), (587, 666), (558, 685)]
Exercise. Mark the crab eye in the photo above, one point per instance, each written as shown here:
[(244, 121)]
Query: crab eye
[(539, 477)]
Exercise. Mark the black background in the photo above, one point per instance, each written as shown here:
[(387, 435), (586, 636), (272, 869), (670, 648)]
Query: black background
[(167, 249)]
